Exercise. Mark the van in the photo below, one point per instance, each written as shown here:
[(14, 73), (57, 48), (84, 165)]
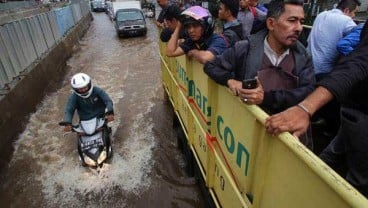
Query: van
[(119, 4), (98, 5), (130, 22)]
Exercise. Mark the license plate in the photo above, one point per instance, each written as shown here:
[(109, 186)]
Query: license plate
[(89, 142)]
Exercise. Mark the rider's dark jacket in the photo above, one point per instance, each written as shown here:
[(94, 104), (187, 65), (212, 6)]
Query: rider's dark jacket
[(87, 108)]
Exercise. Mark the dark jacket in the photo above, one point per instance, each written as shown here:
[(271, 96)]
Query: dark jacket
[(348, 81), (215, 43), (95, 105), (233, 34), (244, 60), (166, 34)]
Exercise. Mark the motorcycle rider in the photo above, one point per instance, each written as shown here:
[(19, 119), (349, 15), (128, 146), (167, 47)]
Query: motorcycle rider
[(89, 101)]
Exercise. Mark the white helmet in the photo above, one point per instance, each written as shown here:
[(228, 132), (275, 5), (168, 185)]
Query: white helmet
[(79, 81)]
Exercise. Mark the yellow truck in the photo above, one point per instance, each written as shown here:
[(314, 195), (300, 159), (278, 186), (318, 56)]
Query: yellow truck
[(240, 164)]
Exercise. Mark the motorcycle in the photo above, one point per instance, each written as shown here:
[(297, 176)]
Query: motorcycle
[(94, 141), (150, 13)]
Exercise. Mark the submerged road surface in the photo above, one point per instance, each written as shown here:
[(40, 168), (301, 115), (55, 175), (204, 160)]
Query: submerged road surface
[(146, 169)]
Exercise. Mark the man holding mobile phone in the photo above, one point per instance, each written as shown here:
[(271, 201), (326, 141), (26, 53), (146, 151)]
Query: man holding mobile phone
[(249, 83), (274, 55), (280, 62)]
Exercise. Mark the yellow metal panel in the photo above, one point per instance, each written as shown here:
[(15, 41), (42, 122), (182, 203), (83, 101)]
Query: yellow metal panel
[(221, 180), (173, 89), (171, 62), (199, 135), (199, 93), (308, 180), (182, 107), (237, 134), (181, 74), (168, 84), (281, 172), (162, 47), (163, 66), (164, 75), (289, 182)]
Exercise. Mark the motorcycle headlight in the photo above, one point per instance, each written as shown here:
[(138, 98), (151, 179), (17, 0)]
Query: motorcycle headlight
[(102, 157), (89, 161)]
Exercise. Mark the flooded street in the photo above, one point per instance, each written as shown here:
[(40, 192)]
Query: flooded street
[(147, 169)]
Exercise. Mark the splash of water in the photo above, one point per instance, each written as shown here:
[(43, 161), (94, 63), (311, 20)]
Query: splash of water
[(64, 181)]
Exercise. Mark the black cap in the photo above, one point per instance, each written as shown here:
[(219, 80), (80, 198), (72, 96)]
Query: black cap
[(172, 11), (233, 6)]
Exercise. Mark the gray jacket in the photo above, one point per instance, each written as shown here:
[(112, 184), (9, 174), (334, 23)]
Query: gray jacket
[(244, 59), (94, 106)]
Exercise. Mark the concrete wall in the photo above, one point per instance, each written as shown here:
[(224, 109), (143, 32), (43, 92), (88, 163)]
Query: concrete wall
[(22, 100), (17, 13)]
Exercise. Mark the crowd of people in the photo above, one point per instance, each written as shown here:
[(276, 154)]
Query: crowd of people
[(293, 82)]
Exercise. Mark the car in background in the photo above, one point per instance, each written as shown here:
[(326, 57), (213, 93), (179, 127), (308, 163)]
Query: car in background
[(130, 22), (107, 7), (98, 5)]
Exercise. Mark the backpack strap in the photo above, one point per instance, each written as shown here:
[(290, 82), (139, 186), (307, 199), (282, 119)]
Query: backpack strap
[(225, 39), (254, 11)]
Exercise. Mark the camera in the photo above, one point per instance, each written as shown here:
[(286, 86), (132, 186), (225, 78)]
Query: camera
[(249, 83)]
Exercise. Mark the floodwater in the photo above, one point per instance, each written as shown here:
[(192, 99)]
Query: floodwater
[(147, 169)]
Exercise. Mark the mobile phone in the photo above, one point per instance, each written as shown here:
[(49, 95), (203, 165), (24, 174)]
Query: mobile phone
[(249, 83)]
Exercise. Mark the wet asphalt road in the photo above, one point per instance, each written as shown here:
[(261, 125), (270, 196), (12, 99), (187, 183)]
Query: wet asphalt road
[(147, 169)]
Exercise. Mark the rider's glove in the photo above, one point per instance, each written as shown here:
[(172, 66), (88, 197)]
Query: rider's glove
[(68, 128), (110, 117)]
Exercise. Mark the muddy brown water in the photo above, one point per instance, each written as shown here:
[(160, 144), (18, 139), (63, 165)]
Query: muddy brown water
[(147, 169)]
